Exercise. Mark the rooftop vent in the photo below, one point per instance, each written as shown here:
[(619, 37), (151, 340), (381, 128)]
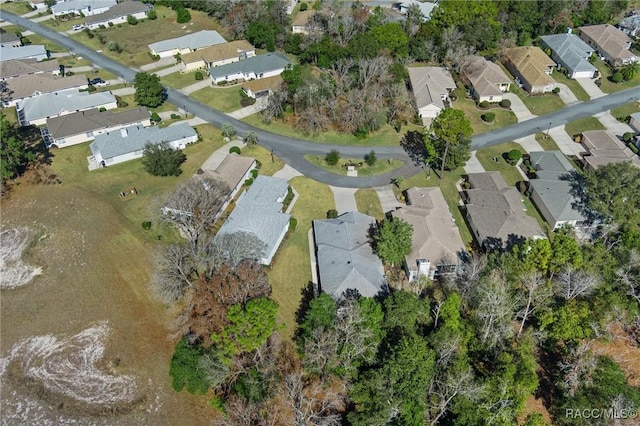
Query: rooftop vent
[(124, 133)]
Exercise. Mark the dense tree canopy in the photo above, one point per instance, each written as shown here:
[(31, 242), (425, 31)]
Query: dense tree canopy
[(393, 240), (449, 137), (162, 160), (15, 153), (149, 91)]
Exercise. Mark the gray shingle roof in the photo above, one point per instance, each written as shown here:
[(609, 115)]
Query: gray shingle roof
[(113, 144), (257, 64), (571, 50), (76, 5), (191, 41), (52, 104), (8, 37), (345, 258), (92, 120), (34, 84), (18, 67), (33, 50), (125, 8)]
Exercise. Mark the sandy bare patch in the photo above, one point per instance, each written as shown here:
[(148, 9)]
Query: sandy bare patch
[(623, 350), (13, 271)]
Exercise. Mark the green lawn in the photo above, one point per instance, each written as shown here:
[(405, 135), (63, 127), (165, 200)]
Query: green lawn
[(626, 110), (608, 86), (291, 267), (539, 104), (509, 172), (583, 124), (166, 106), (63, 25), (49, 45), (503, 118), (269, 166), (178, 80), (18, 8), (573, 85), (223, 99), (368, 203), (546, 142), (381, 166)]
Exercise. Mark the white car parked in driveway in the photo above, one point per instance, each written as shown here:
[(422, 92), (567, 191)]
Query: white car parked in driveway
[(77, 27)]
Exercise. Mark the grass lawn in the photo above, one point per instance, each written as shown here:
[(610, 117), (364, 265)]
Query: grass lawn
[(608, 86), (178, 80), (164, 107), (10, 113), (18, 8), (573, 85), (546, 142), (261, 154), (381, 166), (368, 203), (49, 45), (224, 99), (509, 172), (291, 268), (62, 26), (503, 117), (539, 104), (583, 124), (626, 110)]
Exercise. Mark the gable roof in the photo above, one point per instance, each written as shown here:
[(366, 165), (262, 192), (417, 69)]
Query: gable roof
[(129, 7), (93, 119), (430, 84), (233, 169), (36, 84), (604, 148), (531, 62), (257, 64), (572, 51), (134, 138), (192, 41), (609, 40), (8, 38), (302, 18), (218, 52), (52, 104), (23, 52), (18, 67), (69, 6), (345, 257), (486, 76), (257, 86)]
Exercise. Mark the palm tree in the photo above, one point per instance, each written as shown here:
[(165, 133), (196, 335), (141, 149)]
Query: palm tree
[(228, 131), (630, 70), (250, 138)]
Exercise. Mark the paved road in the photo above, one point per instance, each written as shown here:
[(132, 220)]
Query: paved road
[(292, 150)]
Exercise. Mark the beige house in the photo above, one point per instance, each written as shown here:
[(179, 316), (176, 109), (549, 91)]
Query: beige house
[(436, 246), (634, 121), (604, 148), (531, 67), (610, 43), (487, 80), (219, 54), (233, 171), (300, 22), (262, 87), (28, 86), (431, 88)]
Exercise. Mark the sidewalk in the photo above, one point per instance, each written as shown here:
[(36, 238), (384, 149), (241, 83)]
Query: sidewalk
[(345, 199), (250, 110)]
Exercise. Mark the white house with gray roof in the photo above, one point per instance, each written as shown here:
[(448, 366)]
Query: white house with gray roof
[(35, 51), (258, 211), (82, 7), (118, 14), (571, 53), (431, 88), (345, 258), (256, 67), (38, 109), (128, 143), (186, 43), (32, 85)]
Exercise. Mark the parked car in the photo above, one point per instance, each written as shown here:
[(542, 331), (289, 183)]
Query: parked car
[(77, 27), (98, 82)]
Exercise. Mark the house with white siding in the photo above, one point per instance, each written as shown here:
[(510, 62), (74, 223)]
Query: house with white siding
[(216, 55), (82, 7), (37, 110), (118, 14), (261, 66), (571, 53), (186, 44), (32, 51), (431, 88)]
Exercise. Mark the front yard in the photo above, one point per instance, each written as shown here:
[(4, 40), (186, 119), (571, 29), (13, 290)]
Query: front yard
[(573, 85), (583, 124), (503, 117), (225, 99), (625, 110), (368, 202), (607, 86), (546, 142), (381, 166), (178, 80), (539, 104)]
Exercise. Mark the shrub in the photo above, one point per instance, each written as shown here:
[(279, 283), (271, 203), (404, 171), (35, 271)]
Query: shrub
[(514, 155), (111, 24), (175, 116), (258, 164), (152, 15), (235, 150), (488, 117), (332, 157), (182, 16), (199, 76), (484, 104), (245, 102), (90, 89), (121, 103), (617, 77), (112, 46), (627, 136), (556, 90), (254, 173), (505, 103), (155, 117), (102, 109), (303, 7), (332, 214), (69, 73), (146, 225), (371, 158), (132, 20), (248, 182), (89, 33), (102, 27), (293, 222), (633, 148)]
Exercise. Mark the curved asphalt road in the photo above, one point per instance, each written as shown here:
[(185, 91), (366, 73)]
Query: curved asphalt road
[(292, 151)]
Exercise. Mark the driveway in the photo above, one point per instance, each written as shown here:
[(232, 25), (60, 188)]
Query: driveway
[(345, 199), (473, 165), (566, 144), (567, 95), (590, 87), (249, 110), (287, 172), (529, 143), (196, 86), (613, 125), (387, 198), (169, 70), (518, 107), (220, 154), (164, 62)]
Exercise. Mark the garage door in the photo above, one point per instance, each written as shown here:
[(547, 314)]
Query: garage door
[(583, 74)]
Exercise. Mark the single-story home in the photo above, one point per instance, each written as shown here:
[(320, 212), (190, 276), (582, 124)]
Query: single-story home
[(552, 190), (436, 246), (262, 87), (426, 7), (186, 44), (261, 66), (20, 67), (345, 259), (9, 39), (82, 7), (486, 79), (118, 14), (571, 53), (496, 212), (604, 148), (28, 86), (258, 211), (431, 88), (216, 55), (38, 109), (233, 171), (531, 67), (634, 121), (84, 126), (301, 20), (611, 43), (38, 4), (631, 25), (35, 51), (128, 143)]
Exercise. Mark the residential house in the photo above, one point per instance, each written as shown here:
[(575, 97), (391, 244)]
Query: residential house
[(261, 66), (234, 171), (604, 148), (426, 7), (28, 86), (634, 121), (262, 87), (631, 25), (216, 55), (9, 40), (531, 67), (38, 4), (487, 80), (258, 211), (118, 14), (436, 246), (186, 44), (553, 190), (20, 67), (431, 88), (128, 143), (84, 126), (345, 259), (82, 7), (571, 53), (37, 110), (35, 51), (611, 43), (496, 212), (301, 21)]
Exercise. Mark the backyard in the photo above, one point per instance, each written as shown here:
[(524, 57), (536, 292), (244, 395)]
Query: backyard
[(539, 104), (225, 99), (503, 117), (381, 166), (368, 202), (583, 124)]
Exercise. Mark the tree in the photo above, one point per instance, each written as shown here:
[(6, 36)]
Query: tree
[(152, 15), (570, 283), (228, 131), (15, 154), (149, 91), (393, 240), (185, 370), (132, 20), (234, 248), (162, 160), (332, 157), (494, 309), (183, 15), (262, 35), (536, 292), (630, 70), (391, 36), (251, 138), (371, 158), (450, 136)]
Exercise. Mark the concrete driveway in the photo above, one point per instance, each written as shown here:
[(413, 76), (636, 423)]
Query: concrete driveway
[(345, 199), (590, 87), (567, 95), (196, 86), (529, 143), (473, 165), (518, 107), (566, 144), (387, 198), (164, 62), (613, 125)]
